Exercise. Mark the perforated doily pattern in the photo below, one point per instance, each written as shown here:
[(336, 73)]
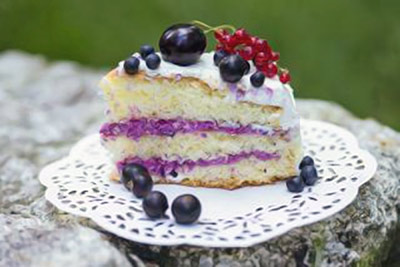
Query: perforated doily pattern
[(79, 184)]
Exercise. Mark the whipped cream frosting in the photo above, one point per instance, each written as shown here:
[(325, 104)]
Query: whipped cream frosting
[(272, 92)]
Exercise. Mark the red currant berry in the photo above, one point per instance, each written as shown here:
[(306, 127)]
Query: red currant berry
[(261, 58), (229, 49), (285, 77), (251, 41), (219, 47), (270, 70), (219, 35), (241, 35), (223, 47), (247, 53), (275, 56), (262, 46), (230, 41)]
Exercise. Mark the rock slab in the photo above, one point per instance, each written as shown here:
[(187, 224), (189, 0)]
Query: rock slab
[(46, 107)]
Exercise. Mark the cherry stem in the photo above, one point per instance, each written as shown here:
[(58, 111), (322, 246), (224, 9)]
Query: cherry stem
[(207, 28)]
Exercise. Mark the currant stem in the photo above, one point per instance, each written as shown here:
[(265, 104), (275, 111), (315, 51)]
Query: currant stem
[(282, 70), (224, 26), (201, 24), (207, 28)]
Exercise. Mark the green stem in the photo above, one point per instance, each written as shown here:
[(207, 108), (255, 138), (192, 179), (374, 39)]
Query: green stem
[(225, 26), (201, 24), (207, 28)]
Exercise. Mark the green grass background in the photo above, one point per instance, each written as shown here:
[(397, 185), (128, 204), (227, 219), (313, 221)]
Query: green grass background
[(344, 51)]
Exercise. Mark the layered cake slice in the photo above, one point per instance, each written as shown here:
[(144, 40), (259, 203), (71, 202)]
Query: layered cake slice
[(221, 119)]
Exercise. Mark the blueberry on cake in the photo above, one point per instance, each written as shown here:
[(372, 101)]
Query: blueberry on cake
[(225, 118)]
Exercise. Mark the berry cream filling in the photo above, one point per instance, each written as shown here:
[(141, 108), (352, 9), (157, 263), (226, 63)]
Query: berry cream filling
[(136, 128), (162, 167)]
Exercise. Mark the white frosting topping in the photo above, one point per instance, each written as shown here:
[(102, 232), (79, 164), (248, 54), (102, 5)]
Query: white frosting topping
[(273, 92)]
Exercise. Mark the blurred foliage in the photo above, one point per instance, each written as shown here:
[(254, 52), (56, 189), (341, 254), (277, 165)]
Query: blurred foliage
[(344, 51)]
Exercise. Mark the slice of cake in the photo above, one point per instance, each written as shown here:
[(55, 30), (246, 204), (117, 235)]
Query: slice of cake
[(222, 119)]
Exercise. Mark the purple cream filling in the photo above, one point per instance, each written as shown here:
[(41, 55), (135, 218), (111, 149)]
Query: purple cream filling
[(136, 128), (161, 167)]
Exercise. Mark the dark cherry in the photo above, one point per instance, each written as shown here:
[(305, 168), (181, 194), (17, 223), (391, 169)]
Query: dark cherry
[(155, 204), (306, 161), (137, 179), (309, 174), (232, 68), (186, 209), (218, 56), (146, 50), (153, 61), (142, 185), (131, 65), (295, 184), (173, 173), (257, 79), (182, 44), (247, 67), (129, 172)]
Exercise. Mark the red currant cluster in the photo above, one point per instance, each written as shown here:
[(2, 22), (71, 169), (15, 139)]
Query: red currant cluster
[(251, 48)]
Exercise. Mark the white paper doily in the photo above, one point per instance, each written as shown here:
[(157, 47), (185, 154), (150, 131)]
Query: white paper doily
[(79, 184)]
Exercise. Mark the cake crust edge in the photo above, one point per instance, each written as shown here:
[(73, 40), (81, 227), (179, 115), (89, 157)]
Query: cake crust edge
[(229, 184)]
